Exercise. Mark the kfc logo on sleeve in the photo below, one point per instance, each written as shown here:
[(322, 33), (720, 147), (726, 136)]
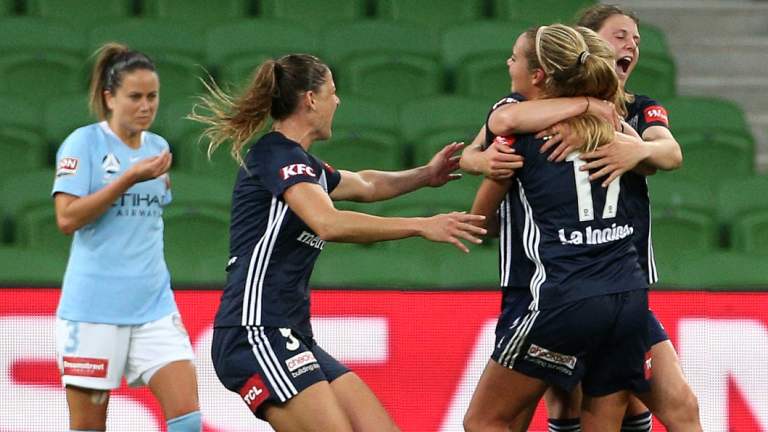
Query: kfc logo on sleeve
[(67, 166), (254, 392), (291, 170), (656, 113)]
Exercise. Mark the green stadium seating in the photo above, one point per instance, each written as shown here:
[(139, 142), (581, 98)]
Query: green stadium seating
[(193, 189), (196, 243), (378, 37), (541, 11), (313, 14), (175, 48), (457, 195), (358, 149), (63, 115), (36, 228), (40, 58), (750, 233), (724, 271), (713, 134), (684, 220), (652, 41), (743, 209), (7, 8), (23, 193), (428, 14), (236, 49), (81, 13), (20, 136), (32, 267), (199, 13), (476, 53), (654, 75), (431, 123), (391, 78)]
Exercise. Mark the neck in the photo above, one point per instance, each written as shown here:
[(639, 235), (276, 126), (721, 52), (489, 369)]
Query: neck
[(131, 138), (295, 130)]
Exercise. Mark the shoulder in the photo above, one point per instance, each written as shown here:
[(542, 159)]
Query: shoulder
[(156, 141), (82, 139), (510, 98)]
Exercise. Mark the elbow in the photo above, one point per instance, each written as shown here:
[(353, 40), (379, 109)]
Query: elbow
[(328, 233), (66, 226)]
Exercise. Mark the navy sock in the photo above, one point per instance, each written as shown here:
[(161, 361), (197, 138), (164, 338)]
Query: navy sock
[(564, 425), (639, 423)]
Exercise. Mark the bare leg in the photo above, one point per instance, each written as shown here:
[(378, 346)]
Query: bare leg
[(315, 409), (501, 395), (175, 387), (360, 405), (603, 413), (671, 398), (87, 408)]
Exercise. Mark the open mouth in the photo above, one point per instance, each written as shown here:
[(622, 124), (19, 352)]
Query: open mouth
[(624, 63)]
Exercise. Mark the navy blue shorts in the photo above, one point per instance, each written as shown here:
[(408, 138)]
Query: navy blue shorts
[(269, 364), (601, 341), (656, 332)]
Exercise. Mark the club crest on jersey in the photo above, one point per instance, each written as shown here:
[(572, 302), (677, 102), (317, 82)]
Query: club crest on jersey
[(291, 170), (67, 166), (110, 163), (656, 113)]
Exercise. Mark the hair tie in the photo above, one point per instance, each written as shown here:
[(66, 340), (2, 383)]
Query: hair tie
[(537, 46), (583, 57)]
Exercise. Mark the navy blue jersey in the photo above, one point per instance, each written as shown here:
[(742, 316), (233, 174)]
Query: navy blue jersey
[(272, 251), (515, 270), (578, 235), (643, 113)]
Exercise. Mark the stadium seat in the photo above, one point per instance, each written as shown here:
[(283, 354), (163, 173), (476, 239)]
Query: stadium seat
[(431, 123), (714, 135), (198, 13), (378, 37), (750, 233), (540, 11), (196, 243), (476, 53), (313, 14), (194, 189), (236, 49), (63, 115), (655, 75), (722, 270), (356, 149), (457, 195), (684, 217), (7, 8), (32, 267), (652, 41), (21, 193), (82, 14), (20, 136), (426, 14), (36, 228), (175, 48), (391, 78), (743, 210), (39, 58)]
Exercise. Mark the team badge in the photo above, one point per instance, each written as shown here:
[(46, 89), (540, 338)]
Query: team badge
[(110, 163)]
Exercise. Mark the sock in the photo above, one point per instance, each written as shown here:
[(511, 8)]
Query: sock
[(82, 430), (564, 425), (639, 423), (190, 422)]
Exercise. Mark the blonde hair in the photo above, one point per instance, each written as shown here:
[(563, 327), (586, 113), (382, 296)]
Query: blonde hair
[(113, 60), (577, 62), (274, 92)]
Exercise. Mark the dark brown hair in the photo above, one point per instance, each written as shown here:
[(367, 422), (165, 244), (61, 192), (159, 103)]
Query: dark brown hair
[(594, 17), (274, 91), (113, 60)]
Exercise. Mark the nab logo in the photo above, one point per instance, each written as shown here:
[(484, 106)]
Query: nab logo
[(296, 169), (254, 392), (656, 114)]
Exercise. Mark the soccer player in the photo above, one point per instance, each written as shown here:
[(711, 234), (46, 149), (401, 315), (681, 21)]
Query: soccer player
[(282, 216), (586, 320), (117, 315), (648, 144)]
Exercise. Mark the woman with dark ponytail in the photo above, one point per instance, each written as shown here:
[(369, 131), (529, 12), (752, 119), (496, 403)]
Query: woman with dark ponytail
[(117, 316), (282, 216)]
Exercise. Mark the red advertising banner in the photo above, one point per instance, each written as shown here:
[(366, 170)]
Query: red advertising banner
[(420, 352)]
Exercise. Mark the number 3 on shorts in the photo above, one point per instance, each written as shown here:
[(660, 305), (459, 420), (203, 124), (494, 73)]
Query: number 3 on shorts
[(73, 337)]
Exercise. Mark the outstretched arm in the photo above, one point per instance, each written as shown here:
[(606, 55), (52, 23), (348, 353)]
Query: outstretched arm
[(372, 185), (487, 200)]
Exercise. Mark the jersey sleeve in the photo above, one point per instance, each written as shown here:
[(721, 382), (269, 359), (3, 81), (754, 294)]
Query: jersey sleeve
[(162, 145), (512, 98), (281, 166), (73, 165), (652, 113), (332, 175)]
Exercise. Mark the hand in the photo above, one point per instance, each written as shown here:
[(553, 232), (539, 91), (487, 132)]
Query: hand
[(443, 164), (561, 137), (606, 110), (499, 160), (615, 158), (450, 227), (150, 168)]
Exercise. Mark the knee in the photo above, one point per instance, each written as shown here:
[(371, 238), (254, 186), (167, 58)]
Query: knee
[(682, 411), (688, 406)]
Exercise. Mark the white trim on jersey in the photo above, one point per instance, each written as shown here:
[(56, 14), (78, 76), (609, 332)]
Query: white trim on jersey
[(254, 283), (653, 275), (505, 240), (531, 239), (269, 363), (512, 350)]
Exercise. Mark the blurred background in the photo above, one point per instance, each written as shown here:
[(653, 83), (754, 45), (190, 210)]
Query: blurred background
[(412, 76)]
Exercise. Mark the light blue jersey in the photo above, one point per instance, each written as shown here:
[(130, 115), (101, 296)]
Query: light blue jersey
[(116, 272)]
